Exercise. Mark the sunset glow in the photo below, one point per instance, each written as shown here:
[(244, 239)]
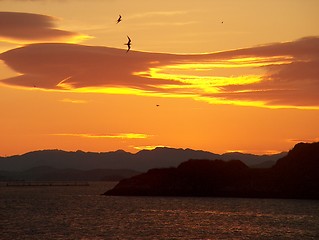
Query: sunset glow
[(202, 76)]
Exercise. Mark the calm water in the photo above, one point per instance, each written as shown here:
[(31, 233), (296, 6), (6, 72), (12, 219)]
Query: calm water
[(82, 213)]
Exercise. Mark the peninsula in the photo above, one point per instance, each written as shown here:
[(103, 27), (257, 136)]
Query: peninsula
[(293, 176)]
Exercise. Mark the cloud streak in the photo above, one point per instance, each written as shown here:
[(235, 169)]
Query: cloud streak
[(157, 13), (28, 27), (109, 136), (76, 101), (274, 75)]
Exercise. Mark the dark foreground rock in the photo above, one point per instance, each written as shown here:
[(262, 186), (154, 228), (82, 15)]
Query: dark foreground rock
[(293, 176)]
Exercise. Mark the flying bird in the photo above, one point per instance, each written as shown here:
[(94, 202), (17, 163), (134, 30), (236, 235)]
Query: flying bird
[(119, 19), (157, 105), (128, 44)]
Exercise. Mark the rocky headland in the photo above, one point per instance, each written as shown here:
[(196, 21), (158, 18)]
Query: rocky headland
[(293, 176)]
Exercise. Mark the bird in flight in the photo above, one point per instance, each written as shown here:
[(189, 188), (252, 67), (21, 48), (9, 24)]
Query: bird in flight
[(128, 44), (119, 19), (157, 105)]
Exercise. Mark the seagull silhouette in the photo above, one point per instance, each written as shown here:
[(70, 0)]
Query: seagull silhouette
[(119, 19), (128, 44)]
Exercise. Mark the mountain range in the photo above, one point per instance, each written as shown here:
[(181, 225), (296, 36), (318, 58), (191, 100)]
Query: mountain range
[(143, 160)]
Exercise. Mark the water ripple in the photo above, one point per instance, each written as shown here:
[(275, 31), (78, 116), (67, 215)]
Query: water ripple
[(82, 213)]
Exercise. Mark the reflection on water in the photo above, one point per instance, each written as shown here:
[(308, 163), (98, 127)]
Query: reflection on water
[(82, 213)]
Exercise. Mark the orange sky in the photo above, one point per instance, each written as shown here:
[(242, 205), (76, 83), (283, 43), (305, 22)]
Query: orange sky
[(227, 75)]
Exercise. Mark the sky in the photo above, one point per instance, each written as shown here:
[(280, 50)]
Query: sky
[(211, 75)]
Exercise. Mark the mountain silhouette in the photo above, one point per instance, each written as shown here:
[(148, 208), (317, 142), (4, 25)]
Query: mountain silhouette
[(141, 161), (293, 176)]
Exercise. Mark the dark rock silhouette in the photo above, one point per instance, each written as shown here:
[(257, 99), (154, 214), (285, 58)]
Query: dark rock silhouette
[(294, 176), (297, 174)]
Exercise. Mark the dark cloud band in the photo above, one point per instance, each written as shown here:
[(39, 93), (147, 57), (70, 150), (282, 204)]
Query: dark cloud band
[(28, 27)]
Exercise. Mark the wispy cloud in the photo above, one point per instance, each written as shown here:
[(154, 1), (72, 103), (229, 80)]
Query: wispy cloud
[(156, 13), (112, 136), (308, 140), (22, 27), (148, 147), (253, 151), (274, 76), (161, 19), (77, 101), (165, 23)]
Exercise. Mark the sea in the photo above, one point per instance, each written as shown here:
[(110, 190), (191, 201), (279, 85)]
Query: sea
[(81, 212)]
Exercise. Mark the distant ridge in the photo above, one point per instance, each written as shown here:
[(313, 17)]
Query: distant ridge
[(140, 161), (45, 173)]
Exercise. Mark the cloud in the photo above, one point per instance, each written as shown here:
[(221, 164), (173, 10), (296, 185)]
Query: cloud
[(148, 147), (274, 75), (71, 66), (77, 101), (157, 13), (28, 27), (112, 136), (294, 82), (309, 140)]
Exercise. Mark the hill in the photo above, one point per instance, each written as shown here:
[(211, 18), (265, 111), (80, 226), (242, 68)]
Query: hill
[(293, 176)]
